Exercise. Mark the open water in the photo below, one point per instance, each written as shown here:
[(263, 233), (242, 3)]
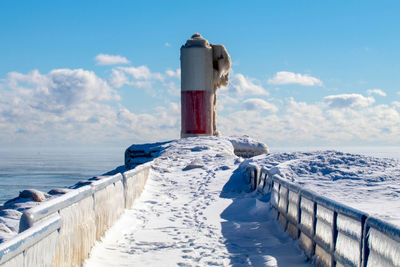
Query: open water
[(48, 168)]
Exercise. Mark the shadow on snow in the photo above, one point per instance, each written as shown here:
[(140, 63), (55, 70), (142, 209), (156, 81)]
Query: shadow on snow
[(253, 236)]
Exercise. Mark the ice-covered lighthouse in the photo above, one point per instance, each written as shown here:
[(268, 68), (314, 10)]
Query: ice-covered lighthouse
[(204, 68)]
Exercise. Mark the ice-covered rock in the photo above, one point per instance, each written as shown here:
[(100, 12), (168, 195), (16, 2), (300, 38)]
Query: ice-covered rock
[(246, 147), (59, 191), (29, 195), (141, 153), (11, 211), (33, 194)]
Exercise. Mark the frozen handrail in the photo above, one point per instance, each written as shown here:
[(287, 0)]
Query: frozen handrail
[(330, 232), (28, 238), (68, 225), (35, 214)]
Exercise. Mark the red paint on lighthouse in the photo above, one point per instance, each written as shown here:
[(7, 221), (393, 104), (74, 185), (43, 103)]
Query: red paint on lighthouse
[(196, 112)]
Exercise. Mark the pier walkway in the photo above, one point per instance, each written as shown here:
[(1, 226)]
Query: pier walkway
[(193, 212)]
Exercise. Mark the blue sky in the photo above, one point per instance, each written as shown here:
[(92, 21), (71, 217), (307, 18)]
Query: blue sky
[(105, 72)]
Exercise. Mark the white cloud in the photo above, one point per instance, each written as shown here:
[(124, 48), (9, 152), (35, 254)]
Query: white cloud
[(60, 89), (142, 73), (259, 104), (176, 74), (348, 100), (396, 104), (285, 77), (104, 59), (118, 78), (242, 85), (376, 92), (140, 77)]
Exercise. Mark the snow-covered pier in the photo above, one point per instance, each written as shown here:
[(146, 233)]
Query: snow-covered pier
[(198, 211), (201, 205)]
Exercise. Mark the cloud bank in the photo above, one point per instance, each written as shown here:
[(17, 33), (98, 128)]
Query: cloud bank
[(77, 106)]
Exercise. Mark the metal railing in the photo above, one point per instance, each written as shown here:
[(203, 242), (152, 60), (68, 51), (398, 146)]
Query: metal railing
[(61, 231), (329, 233)]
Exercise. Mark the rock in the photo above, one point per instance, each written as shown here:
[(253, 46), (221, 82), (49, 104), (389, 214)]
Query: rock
[(80, 184), (33, 194), (59, 191)]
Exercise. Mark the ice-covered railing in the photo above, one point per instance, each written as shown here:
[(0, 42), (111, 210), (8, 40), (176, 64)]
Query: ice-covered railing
[(330, 233), (61, 231)]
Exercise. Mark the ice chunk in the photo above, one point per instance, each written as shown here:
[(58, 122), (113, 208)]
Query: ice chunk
[(194, 164)]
